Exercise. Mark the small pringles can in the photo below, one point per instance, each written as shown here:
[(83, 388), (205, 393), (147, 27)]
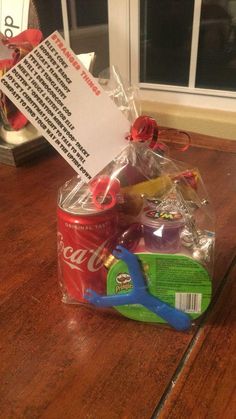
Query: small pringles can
[(86, 235)]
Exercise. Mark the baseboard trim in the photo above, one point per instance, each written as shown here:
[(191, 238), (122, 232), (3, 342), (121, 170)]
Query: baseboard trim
[(204, 141), (209, 128)]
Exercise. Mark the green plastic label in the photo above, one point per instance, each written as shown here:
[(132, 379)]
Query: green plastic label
[(176, 279)]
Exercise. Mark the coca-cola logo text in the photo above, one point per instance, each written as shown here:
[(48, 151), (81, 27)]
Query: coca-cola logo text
[(81, 259)]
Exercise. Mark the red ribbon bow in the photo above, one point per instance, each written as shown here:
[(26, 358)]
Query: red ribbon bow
[(145, 129)]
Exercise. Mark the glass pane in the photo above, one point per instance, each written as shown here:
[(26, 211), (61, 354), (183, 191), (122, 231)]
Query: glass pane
[(165, 41), (216, 67), (45, 15), (88, 21)]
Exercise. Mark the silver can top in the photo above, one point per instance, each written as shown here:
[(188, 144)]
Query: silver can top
[(77, 200)]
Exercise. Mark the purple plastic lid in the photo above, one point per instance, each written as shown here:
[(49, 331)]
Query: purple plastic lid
[(156, 218)]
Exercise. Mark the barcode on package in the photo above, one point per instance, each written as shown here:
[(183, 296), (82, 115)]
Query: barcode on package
[(188, 302)]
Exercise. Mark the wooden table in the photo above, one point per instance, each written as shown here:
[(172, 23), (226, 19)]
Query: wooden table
[(61, 361)]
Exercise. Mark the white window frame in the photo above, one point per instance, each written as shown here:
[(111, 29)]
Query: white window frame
[(123, 21)]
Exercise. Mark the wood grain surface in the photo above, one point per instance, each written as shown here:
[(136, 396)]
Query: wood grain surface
[(66, 361), (206, 385)]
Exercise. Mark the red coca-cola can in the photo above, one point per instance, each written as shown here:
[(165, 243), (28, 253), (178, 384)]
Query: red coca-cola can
[(85, 236)]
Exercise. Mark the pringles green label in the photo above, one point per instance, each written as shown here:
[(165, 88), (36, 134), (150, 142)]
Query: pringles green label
[(176, 279)]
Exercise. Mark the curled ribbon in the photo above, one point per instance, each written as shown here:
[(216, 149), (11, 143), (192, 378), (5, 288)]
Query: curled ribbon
[(145, 129), (170, 135)]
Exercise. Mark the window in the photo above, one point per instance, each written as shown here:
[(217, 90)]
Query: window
[(178, 51), (86, 29), (165, 41), (216, 58), (83, 23)]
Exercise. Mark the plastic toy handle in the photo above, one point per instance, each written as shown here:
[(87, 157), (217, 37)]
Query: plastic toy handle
[(174, 317), (108, 300), (134, 267)]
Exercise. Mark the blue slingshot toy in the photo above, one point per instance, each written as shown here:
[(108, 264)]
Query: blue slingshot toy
[(139, 294)]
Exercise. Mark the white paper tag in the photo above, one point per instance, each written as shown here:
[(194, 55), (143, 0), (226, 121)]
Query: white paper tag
[(67, 105), (14, 15)]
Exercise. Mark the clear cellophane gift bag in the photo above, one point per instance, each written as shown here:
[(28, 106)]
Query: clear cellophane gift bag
[(139, 237)]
